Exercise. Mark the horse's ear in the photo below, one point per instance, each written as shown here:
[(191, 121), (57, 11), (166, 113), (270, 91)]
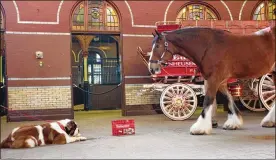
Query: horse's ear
[(157, 33)]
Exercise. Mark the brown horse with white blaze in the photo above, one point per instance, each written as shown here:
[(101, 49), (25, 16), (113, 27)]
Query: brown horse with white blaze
[(219, 55)]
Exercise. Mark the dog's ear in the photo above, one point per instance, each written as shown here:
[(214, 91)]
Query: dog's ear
[(70, 127)]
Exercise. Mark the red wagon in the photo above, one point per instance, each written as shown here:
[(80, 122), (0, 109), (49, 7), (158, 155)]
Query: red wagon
[(181, 84)]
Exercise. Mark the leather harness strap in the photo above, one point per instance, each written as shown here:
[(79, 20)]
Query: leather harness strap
[(61, 126), (166, 50)]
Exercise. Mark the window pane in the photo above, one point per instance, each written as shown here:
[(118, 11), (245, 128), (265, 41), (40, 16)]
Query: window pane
[(196, 12), (95, 15), (89, 74), (97, 73), (100, 16), (271, 11), (260, 12), (78, 17)]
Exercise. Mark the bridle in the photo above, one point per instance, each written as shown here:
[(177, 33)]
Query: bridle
[(161, 61)]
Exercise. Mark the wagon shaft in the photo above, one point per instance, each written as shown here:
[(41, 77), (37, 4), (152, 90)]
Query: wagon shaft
[(143, 55)]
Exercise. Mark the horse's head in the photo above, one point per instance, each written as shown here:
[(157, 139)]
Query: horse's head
[(160, 53)]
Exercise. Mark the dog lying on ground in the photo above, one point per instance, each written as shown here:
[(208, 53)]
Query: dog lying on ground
[(59, 132)]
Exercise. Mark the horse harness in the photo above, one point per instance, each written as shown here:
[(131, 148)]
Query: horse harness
[(161, 62)]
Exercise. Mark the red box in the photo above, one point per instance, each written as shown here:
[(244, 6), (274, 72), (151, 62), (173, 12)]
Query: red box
[(123, 127)]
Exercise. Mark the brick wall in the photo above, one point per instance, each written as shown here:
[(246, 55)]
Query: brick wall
[(34, 98), (136, 94), (236, 27)]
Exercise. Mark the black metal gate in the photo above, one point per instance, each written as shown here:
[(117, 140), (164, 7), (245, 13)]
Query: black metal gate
[(3, 88), (102, 89), (104, 76)]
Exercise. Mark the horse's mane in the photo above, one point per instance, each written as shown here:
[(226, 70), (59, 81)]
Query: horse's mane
[(193, 29), (197, 32), (216, 31)]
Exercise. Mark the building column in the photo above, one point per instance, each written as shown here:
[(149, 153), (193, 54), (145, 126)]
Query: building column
[(85, 41), (85, 81)]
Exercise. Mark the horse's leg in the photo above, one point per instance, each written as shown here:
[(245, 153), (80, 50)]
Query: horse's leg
[(234, 120), (203, 124), (269, 119), (214, 122)]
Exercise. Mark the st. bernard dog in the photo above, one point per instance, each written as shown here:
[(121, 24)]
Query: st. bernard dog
[(59, 132)]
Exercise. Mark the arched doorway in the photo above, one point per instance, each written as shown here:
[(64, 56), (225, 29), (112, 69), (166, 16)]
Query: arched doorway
[(2, 63), (96, 64)]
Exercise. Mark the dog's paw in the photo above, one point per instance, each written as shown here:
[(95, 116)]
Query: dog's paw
[(78, 135), (82, 138)]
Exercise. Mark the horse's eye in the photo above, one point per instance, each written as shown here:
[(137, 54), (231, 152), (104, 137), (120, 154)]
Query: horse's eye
[(157, 46)]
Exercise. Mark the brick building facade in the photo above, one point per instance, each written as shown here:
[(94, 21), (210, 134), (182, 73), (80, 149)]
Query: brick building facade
[(43, 86)]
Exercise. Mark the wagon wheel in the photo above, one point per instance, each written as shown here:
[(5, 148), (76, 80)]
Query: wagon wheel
[(250, 98), (267, 91), (178, 101)]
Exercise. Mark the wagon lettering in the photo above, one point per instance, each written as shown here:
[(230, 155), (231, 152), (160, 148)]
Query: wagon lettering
[(181, 63)]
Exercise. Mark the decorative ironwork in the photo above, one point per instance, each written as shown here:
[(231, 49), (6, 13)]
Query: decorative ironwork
[(103, 70), (196, 12), (266, 10), (95, 16)]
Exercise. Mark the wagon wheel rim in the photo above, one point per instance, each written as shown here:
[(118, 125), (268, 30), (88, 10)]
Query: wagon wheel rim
[(251, 100), (252, 105), (267, 91), (178, 102)]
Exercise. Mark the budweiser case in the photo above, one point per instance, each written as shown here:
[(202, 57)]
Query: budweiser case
[(123, 127)]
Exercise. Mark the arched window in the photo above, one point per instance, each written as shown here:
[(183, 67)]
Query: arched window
[(196, 12), (266, 10), (95, 16)]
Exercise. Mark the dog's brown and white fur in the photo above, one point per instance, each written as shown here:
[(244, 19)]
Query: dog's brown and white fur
[(59, 132)]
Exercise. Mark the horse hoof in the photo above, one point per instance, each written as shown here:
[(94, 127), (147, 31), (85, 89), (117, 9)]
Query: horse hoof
[(233, 122), (214, 124), (230, 127), (196, 129), (268, 124), (198, 133)]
